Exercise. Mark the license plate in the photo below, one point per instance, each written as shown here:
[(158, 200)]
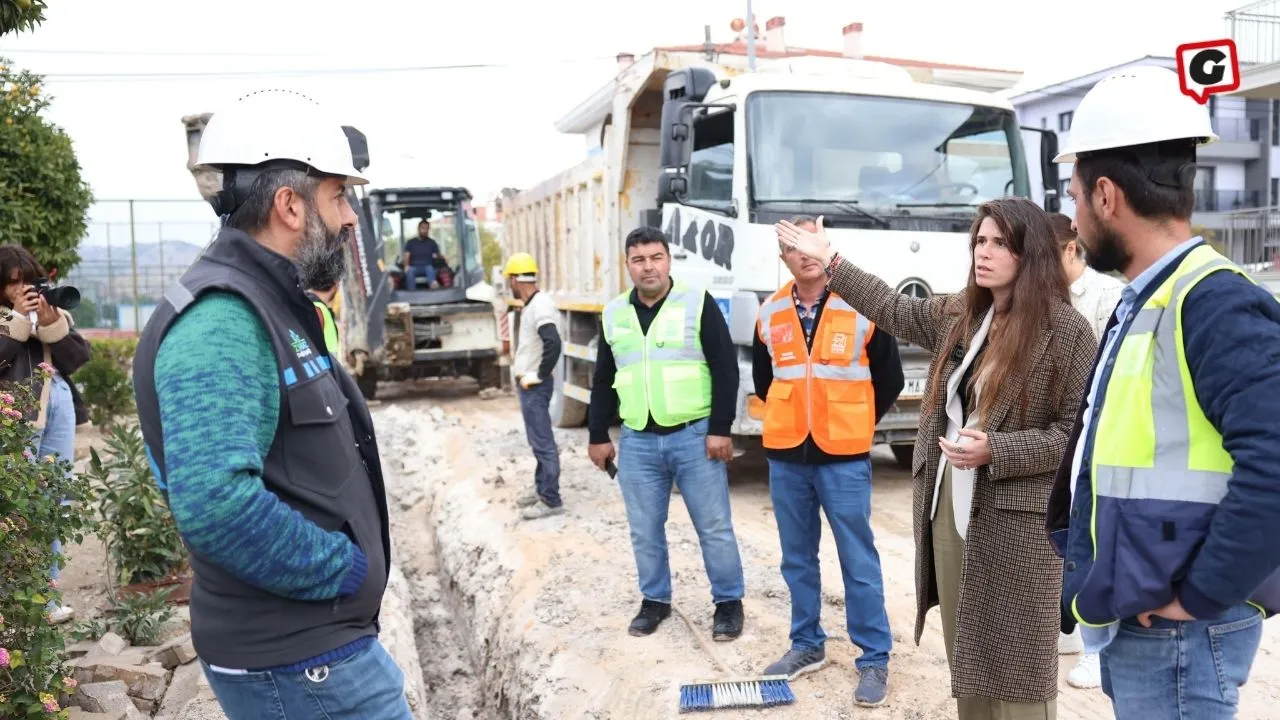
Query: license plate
[(914, 388)]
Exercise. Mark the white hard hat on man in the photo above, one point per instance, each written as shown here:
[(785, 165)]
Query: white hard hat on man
[(273, 127), (1135, 106)]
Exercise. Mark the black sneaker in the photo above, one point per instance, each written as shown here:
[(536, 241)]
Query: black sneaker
[(727, 624), (651, 615)]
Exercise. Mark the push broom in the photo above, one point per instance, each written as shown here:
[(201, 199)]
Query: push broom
[(731, 693)]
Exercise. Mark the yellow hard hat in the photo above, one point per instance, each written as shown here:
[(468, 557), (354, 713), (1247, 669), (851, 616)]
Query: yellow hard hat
[(520, 264)]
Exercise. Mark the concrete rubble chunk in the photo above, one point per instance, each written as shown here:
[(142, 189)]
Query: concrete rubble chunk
[(109, 644), (182, 689), (204, 706), (80, 649), (145, 681), (146, 707), (103, 696), (178, 651), (76, 713)]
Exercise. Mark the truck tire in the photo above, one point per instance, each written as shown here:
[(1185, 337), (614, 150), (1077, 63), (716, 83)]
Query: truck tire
[(367, 381), (488, 374), (902, 453)]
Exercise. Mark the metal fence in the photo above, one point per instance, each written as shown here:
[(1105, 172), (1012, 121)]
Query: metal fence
[(134, 250)]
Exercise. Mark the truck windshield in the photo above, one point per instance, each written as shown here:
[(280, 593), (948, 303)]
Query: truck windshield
[(891, 156)]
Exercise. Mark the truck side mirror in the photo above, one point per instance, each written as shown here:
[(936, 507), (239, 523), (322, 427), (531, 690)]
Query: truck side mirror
[(672, 188), (681, 89), (359, 147), (1049, 171)]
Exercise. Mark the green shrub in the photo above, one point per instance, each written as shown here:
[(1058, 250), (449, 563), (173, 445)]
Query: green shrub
[(105, 383), (32, 674), (140, 534)]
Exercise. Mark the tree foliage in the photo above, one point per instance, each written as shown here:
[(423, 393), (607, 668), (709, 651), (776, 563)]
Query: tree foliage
[(43, 200), (490, 251), (20, 15)]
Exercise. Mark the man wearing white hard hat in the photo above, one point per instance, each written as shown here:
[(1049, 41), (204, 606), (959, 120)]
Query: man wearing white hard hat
[(1166, 508), (260, 441)]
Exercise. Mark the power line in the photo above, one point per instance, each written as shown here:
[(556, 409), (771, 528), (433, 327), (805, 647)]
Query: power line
[(153, 53), (300, 72)]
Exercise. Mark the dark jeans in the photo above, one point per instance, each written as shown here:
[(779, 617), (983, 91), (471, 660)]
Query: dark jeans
[(535, 406)]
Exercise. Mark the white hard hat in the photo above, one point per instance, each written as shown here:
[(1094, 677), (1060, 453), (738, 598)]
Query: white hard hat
[(278, 125), (1135, 106)]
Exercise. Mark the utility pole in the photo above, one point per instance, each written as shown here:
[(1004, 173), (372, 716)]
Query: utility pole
[(751, 39)]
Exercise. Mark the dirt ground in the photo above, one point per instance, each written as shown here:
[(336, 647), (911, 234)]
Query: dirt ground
[(567, 588), (528, 619)]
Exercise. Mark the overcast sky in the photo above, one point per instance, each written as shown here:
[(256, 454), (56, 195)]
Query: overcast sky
[(490, 127)]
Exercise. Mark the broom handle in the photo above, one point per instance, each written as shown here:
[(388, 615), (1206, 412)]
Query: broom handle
[(702, 641)]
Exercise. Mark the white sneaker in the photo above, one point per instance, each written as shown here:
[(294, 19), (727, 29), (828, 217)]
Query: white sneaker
[(1070, 644), (1087, 673), (61, 615)]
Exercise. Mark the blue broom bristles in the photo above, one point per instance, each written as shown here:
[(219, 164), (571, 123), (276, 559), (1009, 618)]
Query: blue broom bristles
[(770, 692)]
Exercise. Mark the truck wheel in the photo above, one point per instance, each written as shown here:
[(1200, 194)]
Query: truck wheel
[(367, 381), (903, 453), (488, 374)]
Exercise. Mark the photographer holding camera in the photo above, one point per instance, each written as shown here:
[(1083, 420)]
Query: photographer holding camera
[(34, 331)]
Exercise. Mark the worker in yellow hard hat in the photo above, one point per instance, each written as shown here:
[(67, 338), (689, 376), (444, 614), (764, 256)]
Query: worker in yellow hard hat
[(537, 352)]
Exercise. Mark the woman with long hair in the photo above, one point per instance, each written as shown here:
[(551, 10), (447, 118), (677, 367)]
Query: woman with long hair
[(1011, 362), (34, 333)]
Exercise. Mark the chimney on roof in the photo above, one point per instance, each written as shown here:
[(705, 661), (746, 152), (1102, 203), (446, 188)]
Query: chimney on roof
[(625, 59), (774, 39), (853, 40)]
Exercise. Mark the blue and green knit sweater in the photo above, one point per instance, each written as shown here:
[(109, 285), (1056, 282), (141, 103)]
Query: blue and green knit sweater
[(216, 369)]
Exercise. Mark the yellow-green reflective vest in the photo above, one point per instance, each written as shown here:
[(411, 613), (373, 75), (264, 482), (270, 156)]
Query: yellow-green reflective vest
[(663, 372), (330, 328), (1158, 467)]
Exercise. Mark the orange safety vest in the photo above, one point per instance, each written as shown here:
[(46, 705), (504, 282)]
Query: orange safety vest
[(827, 394)]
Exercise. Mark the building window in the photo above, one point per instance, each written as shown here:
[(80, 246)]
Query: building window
[(1064, 120), (1044, 123), (1062, 187), (1275, 191)]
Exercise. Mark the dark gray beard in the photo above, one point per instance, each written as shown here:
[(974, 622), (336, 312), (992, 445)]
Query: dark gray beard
[(1105, 252), (321, 260)]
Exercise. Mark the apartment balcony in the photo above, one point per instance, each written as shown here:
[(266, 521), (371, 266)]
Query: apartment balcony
[(1239, 138), (1227, 200)]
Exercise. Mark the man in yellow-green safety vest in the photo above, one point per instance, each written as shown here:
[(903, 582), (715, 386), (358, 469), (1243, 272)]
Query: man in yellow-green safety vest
[(668, 367), (1166, 507)]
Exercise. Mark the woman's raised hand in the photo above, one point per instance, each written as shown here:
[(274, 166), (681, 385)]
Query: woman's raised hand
[(813, 244)]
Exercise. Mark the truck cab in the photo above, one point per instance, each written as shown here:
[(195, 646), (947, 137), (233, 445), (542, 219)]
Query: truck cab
[(896, 169)]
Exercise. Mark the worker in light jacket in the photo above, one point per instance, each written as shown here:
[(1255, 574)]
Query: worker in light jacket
[(1166, 507), (827, 375), (537, 352)]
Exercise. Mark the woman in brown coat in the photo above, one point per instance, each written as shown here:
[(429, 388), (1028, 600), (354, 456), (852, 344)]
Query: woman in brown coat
[(1011, 362)]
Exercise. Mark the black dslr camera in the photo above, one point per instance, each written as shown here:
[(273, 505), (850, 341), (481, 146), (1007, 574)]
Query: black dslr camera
[(61, 296)]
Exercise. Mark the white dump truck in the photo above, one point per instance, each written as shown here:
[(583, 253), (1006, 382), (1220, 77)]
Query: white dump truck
[(715, 156)]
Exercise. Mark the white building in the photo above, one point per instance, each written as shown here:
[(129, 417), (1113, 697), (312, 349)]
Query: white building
[(1239, 172)]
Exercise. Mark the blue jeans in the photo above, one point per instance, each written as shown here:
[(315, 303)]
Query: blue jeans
[(1181, 670), (843, 492), (368, 684), (413, 272), (535, 404), (57, 438), (648, 464)]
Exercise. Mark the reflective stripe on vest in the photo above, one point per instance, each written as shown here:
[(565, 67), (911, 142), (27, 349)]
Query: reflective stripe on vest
[(661, 373), (1158, 468), (825, 392)]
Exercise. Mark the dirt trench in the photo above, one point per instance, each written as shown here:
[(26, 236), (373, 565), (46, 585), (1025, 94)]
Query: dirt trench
[(528, 620)]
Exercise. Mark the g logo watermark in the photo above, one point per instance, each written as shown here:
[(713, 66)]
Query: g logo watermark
[(1206, 68)]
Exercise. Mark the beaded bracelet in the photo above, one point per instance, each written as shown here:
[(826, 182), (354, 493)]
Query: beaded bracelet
[(831, 266)]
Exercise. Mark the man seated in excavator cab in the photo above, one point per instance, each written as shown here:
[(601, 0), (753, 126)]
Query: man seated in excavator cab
[(422, 258)]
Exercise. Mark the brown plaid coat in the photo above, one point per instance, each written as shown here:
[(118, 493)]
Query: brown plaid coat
[(1011, 582)]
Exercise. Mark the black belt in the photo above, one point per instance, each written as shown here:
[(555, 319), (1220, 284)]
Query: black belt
[(656, 429)]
